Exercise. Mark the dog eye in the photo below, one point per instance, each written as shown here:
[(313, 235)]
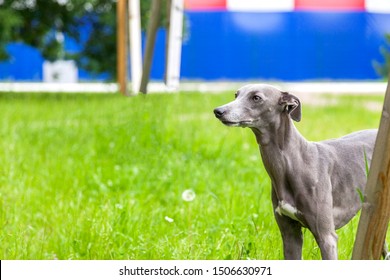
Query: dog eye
[(256, 98)]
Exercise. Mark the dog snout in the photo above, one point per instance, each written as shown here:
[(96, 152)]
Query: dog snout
[(218, 112)]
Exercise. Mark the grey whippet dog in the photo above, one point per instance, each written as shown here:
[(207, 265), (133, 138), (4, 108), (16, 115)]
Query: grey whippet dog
[(314, 184)]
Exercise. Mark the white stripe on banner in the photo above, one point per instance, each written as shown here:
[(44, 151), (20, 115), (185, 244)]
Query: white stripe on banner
[(378, 6), (260, 5)]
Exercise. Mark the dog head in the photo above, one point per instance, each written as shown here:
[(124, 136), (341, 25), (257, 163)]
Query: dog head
[(258, 105)]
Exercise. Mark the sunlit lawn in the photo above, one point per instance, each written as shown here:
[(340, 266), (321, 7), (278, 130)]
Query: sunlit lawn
[(102, 177)]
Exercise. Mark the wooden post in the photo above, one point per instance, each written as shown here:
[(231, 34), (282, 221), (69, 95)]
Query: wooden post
[(150, 42), (374, 219), (122, 55)]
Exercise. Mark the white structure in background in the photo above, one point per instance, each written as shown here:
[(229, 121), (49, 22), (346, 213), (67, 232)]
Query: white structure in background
[(174, 45), (135, 44), (378, 6), (60, 71)]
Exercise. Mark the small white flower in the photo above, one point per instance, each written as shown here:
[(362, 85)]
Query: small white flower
[(253, 158), (188, 195), (135, 170), (246, 146), (169, 220)]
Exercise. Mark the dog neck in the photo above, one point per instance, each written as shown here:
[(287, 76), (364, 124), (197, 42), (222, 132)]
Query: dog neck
[(278, 135), (279, 145)]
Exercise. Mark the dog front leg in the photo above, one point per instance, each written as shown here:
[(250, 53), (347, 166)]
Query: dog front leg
[(292, 237), (328, 245)]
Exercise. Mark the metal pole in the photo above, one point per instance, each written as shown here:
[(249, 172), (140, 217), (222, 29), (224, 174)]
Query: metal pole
[(167, 26), (135, 44), (174, 45)]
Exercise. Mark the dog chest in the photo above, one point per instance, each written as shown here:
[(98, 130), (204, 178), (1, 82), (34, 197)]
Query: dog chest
[(286, 209)]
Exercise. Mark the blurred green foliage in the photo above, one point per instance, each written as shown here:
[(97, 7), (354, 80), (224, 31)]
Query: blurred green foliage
[(43, 24), (383, 68)]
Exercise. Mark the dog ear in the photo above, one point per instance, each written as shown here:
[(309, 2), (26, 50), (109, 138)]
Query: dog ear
[(292, 105)]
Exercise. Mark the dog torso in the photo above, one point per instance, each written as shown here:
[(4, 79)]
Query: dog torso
[(312, 176), (348, 157)]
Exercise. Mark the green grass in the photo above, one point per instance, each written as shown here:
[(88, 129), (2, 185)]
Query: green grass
[(94, 176)]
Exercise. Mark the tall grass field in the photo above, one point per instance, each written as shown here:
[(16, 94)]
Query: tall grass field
[(147, 177)]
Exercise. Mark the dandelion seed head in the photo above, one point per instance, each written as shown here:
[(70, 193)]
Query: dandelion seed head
[(188, 195)]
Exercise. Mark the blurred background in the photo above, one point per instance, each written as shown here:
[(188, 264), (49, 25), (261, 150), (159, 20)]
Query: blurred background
[(223, 40)]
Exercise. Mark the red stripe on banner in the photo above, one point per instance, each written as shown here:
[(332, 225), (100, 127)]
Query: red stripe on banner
[(205, 4), (329, 5)]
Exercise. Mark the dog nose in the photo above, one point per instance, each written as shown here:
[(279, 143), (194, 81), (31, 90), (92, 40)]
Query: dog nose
[(218, 112)]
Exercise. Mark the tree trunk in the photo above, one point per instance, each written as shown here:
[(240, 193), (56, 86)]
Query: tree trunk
[(374, 220), (150, 42)]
